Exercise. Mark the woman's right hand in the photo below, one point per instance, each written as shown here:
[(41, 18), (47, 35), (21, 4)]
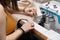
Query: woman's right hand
[(31, 11), (27, 26)]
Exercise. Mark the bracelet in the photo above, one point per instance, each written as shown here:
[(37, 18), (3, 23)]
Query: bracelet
[(22, 31)]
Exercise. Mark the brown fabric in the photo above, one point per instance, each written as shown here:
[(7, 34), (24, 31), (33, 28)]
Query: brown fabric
[(10, 23)]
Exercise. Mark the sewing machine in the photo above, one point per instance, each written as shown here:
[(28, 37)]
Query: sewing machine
[(53, 8)]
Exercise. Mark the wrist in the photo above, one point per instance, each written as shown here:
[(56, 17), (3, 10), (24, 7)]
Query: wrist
[(22, 30)]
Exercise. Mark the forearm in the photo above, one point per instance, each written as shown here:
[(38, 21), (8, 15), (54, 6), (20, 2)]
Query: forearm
[(15, 35), (2, 23)]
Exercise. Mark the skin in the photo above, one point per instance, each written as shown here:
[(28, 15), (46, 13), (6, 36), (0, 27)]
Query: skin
[(31, 11), (26, 27), (2, 24), (28, 10)]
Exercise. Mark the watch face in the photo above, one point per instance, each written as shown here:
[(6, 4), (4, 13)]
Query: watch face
[(24, 21)]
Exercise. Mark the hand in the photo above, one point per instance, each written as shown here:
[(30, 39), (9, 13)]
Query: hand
[(31, 11), (27, 26)]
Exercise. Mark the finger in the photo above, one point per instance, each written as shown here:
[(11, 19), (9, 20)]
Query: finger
[(30, 10), (32, 28), (32, 24)]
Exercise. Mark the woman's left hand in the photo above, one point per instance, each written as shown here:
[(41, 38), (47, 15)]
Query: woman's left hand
[(27, 26)]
